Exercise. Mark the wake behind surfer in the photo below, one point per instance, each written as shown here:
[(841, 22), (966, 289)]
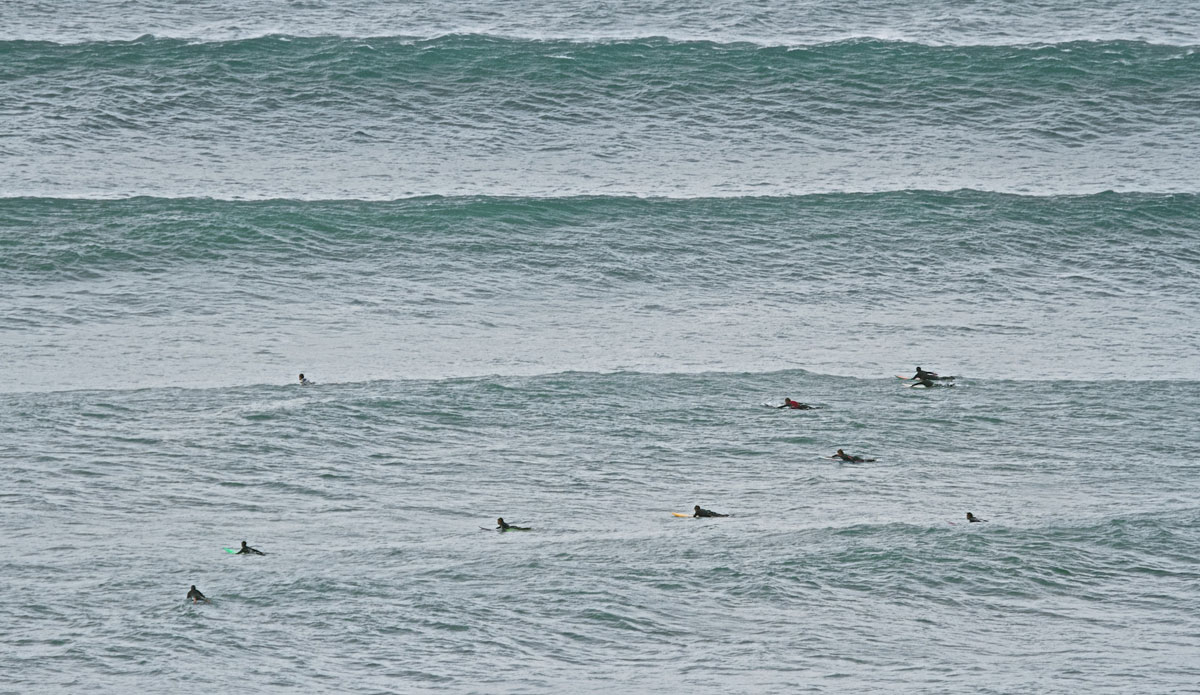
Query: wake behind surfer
[(794, 405), (247, 550), (930, 384), (706, 512), (501, 525), (195, 595)]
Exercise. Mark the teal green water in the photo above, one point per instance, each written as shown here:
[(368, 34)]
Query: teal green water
[(557, 263), (387, 118)]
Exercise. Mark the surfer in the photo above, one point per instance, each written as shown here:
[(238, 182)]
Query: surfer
[(502, 526), (195, 595), (923, 375), (789, 403), (706, 512), (247, 550), (974, 519), (852, 459), (303, 381)]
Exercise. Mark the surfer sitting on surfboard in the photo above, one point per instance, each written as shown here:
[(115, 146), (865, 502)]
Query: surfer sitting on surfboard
[(789, 403), (247, 550), (974, 519), (923, 375), (502, 526), (706, 512), (195, 595), (852, 459)]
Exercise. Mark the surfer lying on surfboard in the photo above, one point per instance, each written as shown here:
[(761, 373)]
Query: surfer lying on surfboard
[(706, 512), (502, 526), (852, 459), (974, 519), (789, 403)]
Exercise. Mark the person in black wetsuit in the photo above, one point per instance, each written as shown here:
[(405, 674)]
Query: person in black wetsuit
[(923, 375), (852, 459), (502, 526), (974, 519), (247, 550), (195, 595), (789, 403), (706, 512)]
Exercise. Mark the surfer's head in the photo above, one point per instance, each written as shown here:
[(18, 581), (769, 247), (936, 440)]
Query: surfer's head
[(840, 451), (243, 544), (697, 507), (302, 374), (500, 521)]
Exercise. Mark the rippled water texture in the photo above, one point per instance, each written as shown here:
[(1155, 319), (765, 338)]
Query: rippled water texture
[(469, 115), (143, 292), (369, 499), (558, 263)]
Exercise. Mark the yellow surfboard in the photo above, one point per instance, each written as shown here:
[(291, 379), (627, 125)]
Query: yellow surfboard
[(683, 515)]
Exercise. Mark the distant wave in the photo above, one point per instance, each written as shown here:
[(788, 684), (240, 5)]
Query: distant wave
[(43, 235), (720, 39), (328, 118)]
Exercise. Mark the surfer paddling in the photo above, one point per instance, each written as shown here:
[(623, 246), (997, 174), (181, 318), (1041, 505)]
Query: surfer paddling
[(195, 595), (305, 382), (789, 403), (974, 519), (247, 550), (501, 525), (852, 459), (706, 512)]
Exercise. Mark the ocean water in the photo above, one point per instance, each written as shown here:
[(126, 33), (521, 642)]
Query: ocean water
[(553, 262)]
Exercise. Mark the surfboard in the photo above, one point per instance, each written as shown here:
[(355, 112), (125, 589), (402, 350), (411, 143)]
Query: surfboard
[(231, 551), (682, 515)]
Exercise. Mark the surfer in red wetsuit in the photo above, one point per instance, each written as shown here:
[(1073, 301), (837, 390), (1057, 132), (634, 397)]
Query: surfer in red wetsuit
[(794, 405)]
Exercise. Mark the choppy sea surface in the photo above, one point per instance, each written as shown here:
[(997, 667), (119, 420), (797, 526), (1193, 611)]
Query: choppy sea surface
[(554, 262)]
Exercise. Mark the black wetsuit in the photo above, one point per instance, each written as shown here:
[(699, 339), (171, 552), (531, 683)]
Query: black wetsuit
[(706, 512), (247, 550), (195, 595), (506, 527), (974, 519)]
